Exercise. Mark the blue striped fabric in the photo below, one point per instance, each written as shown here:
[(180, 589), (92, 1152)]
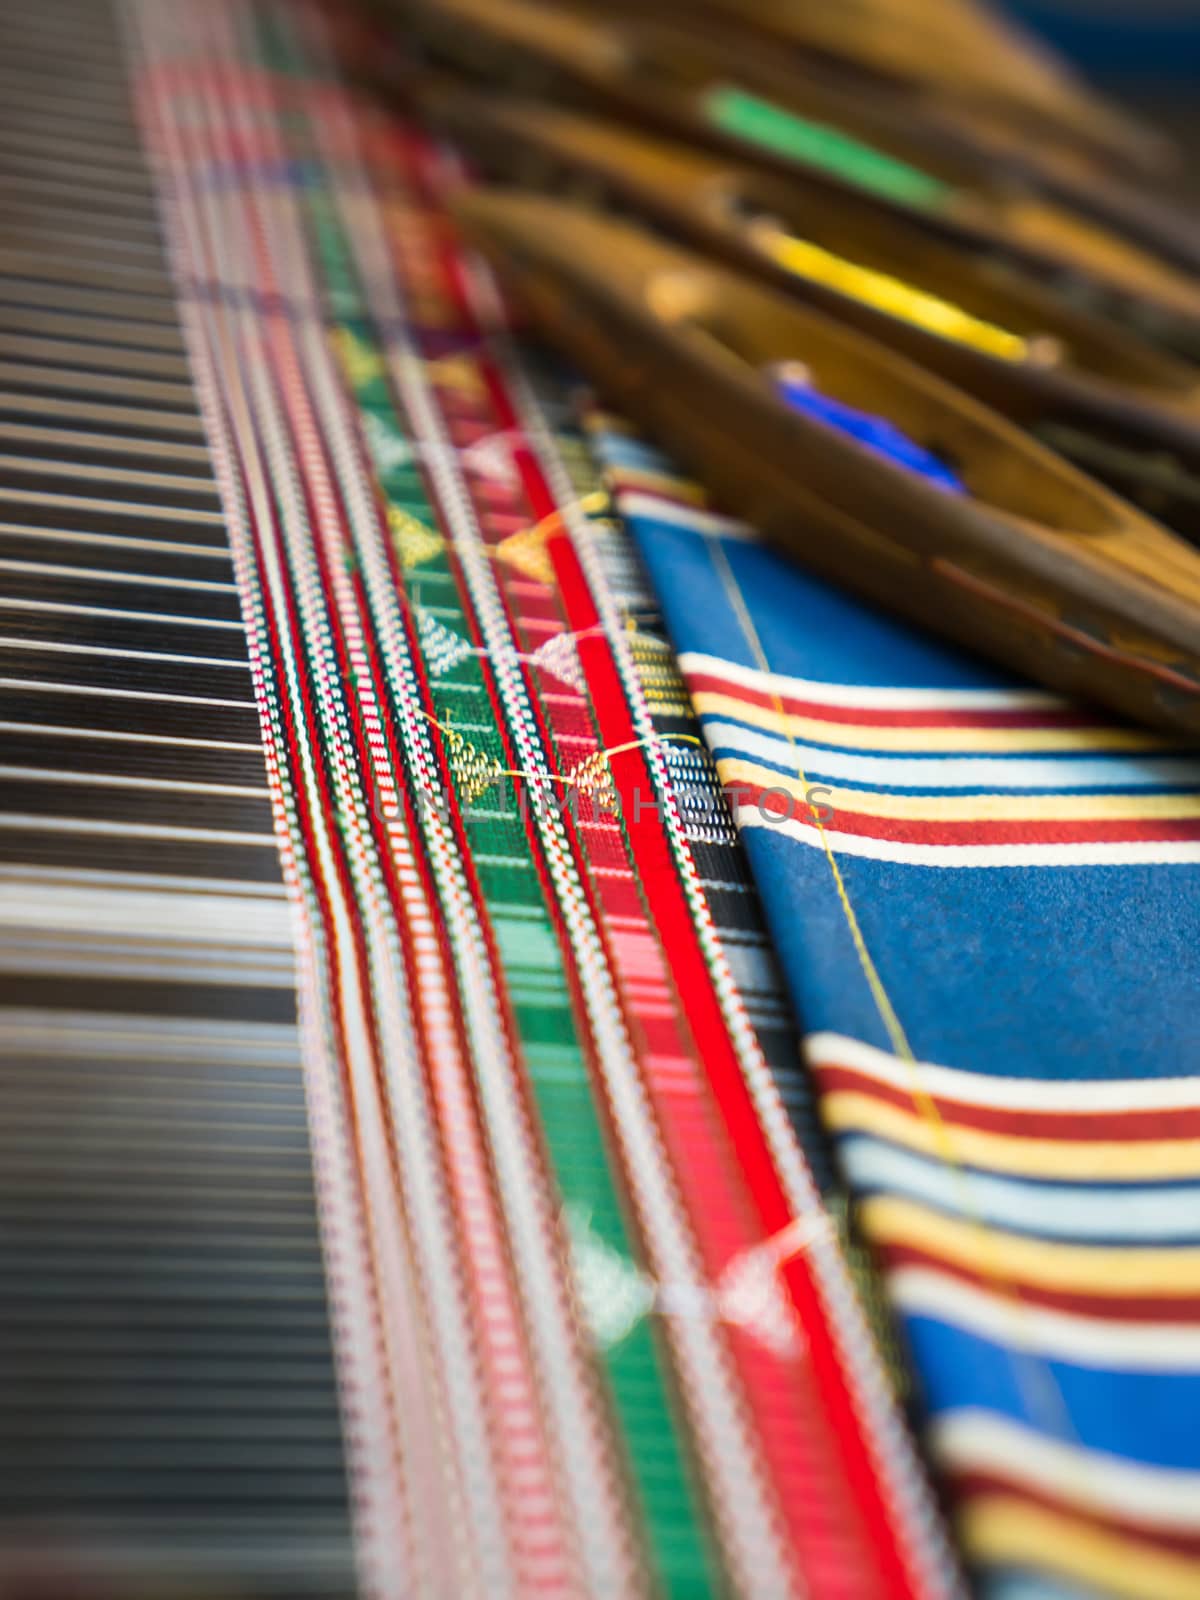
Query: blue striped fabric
[(987, 904)]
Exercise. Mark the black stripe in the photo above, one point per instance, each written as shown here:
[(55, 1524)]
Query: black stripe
[(171, 857), (56, 708), (150, 808), (78, 512), (122, 632), (96, 552), (193, 764), (227, 681), (232, 1002), (120, 592)]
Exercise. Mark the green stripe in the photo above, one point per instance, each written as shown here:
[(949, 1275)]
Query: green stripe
[(771, 127)]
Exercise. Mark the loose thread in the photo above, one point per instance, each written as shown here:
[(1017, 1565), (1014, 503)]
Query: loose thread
[(649, 741)]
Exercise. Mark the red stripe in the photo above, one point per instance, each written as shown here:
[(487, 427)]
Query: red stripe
[(776, 801), (983, 718), (694, 1136), (1169, 1123)]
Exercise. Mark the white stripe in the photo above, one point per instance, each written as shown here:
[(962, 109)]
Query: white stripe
[(60, 608), (1167, 1215), (114, 541), (128, 830), (1107, 1344), (120, 477), (125, 738), (15, 642), (114, 883), (52, 569), (1102, 854), (111, 508), (973, 1440), (226, 922), (1011, 1094), (116, 781), (129, 1036), (1062, 774), (47, 686), (870, 696)]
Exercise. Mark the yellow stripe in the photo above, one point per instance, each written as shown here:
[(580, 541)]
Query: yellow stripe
[(891, 295), (1000, 1529), (1090, 1160), (968, 807), (861, 736), (1039, 1263)]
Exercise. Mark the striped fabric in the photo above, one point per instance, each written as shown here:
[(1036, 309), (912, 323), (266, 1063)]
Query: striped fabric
[(595, 1332), (988, 906)]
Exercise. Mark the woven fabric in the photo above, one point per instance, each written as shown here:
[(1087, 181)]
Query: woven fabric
[(987, 901), (595, 1332)]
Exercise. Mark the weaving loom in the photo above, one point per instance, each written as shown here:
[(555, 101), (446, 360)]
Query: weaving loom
[(170, 1413), (431, 828)]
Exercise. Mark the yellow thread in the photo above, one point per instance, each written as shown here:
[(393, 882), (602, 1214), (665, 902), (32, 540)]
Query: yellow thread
[(593, 776), (584, 775), (416, 542), (526, 553), (652, 739), (526, 550), (1025, 1367), (594, 500), (879, 994), (888, 294)]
